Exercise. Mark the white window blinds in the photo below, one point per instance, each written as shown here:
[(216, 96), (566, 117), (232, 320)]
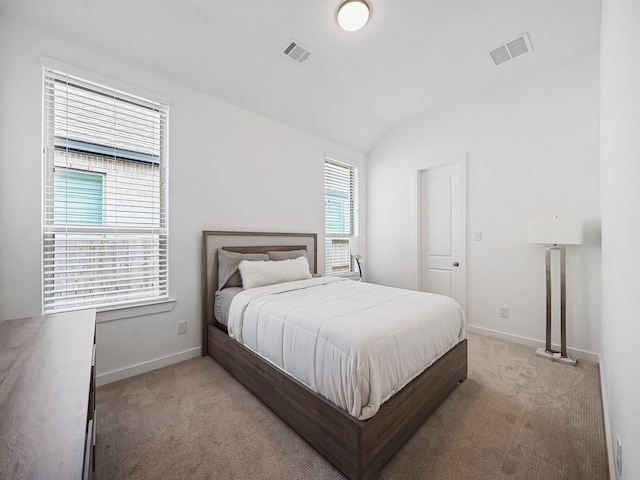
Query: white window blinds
[(341, 222), (104, 196)]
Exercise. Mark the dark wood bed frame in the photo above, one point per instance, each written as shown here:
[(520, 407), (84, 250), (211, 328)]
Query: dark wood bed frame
[(359, 449)]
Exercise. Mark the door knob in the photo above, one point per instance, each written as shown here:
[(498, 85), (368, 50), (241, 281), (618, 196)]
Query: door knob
[(456, 264)]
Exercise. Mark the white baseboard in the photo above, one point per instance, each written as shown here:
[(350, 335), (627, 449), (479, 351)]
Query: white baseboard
[(530, 342), (143, 367), (607, 425)]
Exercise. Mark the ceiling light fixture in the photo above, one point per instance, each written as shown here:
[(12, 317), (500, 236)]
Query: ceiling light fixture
[(353, 15)]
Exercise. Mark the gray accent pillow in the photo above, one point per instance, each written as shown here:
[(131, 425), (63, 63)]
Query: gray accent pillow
[(286, 254), (222, 303), (228, 273)]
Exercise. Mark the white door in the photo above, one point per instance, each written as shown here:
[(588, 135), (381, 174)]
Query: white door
[(442, 230)]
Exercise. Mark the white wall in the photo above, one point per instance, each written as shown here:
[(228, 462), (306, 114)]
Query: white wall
[(532, 152), (620, 175), (229, 169)]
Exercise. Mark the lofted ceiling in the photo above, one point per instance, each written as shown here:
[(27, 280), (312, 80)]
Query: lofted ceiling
[(412, 56)]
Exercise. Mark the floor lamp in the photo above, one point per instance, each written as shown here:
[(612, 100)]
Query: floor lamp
[(555, 233)]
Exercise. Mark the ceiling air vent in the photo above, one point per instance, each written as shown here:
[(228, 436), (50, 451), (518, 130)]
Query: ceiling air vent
[(296, 51), (511, 49)]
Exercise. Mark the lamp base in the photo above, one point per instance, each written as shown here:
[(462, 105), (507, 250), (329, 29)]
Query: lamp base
[(555, 356)]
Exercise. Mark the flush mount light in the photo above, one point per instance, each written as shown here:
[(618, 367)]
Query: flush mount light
[(353, 15)]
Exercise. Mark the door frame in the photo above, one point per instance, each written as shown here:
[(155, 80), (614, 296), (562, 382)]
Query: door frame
[(459, 160)]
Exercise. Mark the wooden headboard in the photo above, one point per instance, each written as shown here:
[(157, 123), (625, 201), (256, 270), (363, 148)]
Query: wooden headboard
[(244, 242)]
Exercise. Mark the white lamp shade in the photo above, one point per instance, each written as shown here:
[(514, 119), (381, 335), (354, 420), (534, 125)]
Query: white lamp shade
[(555, 231), (353, 15)]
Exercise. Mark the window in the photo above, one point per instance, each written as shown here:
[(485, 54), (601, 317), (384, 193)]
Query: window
[(104, 196), (77, 197), (341, 209)]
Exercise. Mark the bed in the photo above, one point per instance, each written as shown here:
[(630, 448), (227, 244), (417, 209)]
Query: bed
[(357, 444)]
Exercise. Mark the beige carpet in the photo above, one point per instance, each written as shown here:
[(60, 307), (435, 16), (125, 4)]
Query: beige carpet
[(517, 416)]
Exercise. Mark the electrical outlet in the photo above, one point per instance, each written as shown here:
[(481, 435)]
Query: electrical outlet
[(504, 312), (477, 236), (182, 327), (619, 455)]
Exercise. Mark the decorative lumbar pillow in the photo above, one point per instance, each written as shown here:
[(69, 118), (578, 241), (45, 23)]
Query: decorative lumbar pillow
[(228, 274), (286, 254), (260, 273)]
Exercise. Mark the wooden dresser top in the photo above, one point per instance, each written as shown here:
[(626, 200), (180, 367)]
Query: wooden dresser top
[(45, 374)]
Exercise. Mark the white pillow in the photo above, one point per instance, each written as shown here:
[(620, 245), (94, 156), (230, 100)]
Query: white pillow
[(268, 272)]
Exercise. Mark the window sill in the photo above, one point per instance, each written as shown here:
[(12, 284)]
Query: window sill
[(119, 313)]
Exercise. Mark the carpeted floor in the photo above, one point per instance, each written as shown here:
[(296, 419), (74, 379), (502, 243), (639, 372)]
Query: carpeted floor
[(516, 417)]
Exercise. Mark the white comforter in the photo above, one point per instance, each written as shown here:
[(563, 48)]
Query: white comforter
[(354, 343)]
